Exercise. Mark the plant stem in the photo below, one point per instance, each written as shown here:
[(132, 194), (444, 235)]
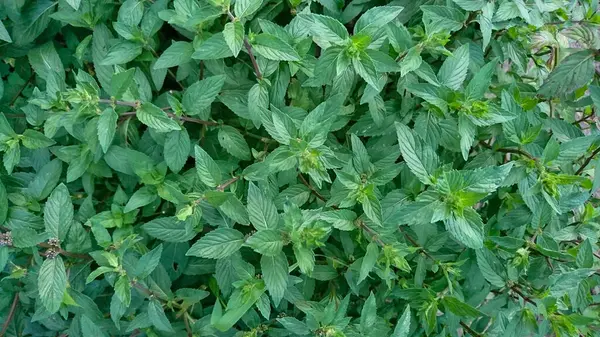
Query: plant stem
[(469, 330), (224, 185), (11, 314), (523, 296), (312, 189), (16, 96), (587, 161), (416, 244)]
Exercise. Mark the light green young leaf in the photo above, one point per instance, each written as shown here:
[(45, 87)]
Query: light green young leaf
[(585, 255)]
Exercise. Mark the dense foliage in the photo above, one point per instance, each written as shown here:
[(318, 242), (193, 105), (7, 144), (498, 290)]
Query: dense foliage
[(299, 168)]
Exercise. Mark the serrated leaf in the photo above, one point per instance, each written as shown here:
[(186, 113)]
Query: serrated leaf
[(169, 229), (572, 73), (275, 273), (233, 142), (107, 127), (266, 242), (245, 8), (403, 325), (52, 283), (454, 69), (148, 262), (233, 33), (273, 48), (157, 316), (177, 149), (466, 228), (585, 255), (262, 210), (208, 171), (411, 155), (58, 212), (368, 261), (156, 118), (178, 53), (201, 94), (217, 244), (121, 53)]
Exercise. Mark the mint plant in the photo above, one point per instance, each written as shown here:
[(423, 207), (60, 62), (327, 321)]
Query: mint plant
[(295, 168)]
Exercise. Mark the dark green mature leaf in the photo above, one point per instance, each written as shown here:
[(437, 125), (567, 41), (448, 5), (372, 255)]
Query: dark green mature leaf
[(233, 33), (206, 168), (52, 283), (273, 48), (157, 316), (403, 326), (121, 53), (156, 118), (573, 72), (275, 274), (177, 149), (454, 70), (262, 211), (178, 53), (58, 212), (217, 244), (233, 141)]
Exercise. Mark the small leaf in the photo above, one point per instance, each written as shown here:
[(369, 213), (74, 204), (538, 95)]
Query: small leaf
[(123, 290), (403, 325), (58, 212), (245, 8), (121, 53), (368, 261), (177, 149), (274, 48), (201, 94), (36, 140), (148, 262), (107, 127), (266, 242)]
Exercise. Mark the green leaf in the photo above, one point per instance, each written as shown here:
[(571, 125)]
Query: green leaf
[(442, 19), (375, 18), (208, 171), (326, 28), (52, 283), (169, 229), (11, 157), (121, 53), (266, 242), (365, 68), (403, 325), (233, 142), (156, 118), (4, 36), (420, 163), (35, 140), (217, 244), (368, 314), (107, 127), (157, 316), (178, 53), (245, 8), (585, 255), (368, 261), (123, 290), (491, 268), (294, 325), (177, 149), (58, 212), (261, 209), (411, 61), (460, 308), (454, 69), (479, 84), (148, 262), (200, 95), (3, 203), (572, 73), (45, 60), (273, 48), (121, 81), (275, 274), (213, 48), (233, 33), (467, 229)]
